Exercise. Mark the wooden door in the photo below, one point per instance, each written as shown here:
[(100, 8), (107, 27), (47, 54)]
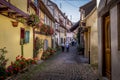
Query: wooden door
[(107, 46)]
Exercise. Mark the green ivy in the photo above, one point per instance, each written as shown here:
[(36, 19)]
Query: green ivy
[(39, 45)]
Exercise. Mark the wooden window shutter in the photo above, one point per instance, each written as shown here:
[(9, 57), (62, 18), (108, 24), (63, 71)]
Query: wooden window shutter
[(22, 34)]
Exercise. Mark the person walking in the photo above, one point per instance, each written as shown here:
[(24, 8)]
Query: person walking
[(62, 46), (67, 46)]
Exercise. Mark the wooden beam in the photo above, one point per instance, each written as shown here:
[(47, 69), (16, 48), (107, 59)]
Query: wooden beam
[(19, 15), (11, 7), (3, 9)]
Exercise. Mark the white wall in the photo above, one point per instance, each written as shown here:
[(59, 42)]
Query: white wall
[(98, 1), (115, 54), (100, 45)]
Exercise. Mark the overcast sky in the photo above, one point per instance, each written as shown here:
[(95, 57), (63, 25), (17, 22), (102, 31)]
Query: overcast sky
[(71, 8)]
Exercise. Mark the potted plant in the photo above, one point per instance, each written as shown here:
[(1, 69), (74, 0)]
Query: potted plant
[(14, 23), (43, 29), (50, 30), (22, 20), (33, 20), (3, 62), (38, 47)]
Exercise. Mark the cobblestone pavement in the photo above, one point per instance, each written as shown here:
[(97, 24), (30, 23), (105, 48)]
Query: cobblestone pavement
[(65, 67)]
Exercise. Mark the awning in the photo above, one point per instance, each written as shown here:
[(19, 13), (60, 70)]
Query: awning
[(76, 25)]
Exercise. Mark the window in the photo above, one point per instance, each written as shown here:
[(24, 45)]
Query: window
[(22, 36), (27, 34), (45, 44), (22, 33)]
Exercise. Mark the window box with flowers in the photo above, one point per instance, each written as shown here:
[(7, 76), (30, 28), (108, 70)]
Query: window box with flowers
[(43, 29), (50, 30)]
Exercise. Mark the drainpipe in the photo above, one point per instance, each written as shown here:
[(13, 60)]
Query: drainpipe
[(22, 49), (89, 55), (33, 42), (89, 44)]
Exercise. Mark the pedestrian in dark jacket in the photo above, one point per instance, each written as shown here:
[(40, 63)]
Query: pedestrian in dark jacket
[(67, 47), (62, 46)]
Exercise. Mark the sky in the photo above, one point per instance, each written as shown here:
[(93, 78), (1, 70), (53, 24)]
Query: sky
[(71, 8)]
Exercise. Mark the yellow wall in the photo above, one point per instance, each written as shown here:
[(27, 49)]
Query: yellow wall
[(32, 11), (43, 37), (21, 4), (42, 16), (10, 38), (92, 22), (86, 38)]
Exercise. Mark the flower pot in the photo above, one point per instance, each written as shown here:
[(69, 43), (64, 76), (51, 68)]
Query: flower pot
[(39, 55), (14, 23)]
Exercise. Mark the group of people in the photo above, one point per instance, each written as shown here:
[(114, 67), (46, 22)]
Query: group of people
[(65, 46)]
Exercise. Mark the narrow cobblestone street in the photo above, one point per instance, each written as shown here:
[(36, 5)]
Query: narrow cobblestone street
[(65, 67)]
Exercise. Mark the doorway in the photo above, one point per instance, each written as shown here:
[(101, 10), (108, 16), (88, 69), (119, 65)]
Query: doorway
[(106, 47), (45, 44)]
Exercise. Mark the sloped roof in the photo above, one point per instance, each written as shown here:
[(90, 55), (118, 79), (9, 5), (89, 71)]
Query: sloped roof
[(75, 26), (88, 7), (106, 5)]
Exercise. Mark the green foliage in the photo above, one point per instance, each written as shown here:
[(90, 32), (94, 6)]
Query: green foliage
[(2, 57), (33, 20), (39, 45), (47, 53), (2, 73), (22, 20), (43, 29), (3, 62), (20, 64)]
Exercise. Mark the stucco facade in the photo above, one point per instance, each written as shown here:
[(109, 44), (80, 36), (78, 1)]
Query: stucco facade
[(69, 34), (47, 19), (89, 31), (114, 38), (10, 36), (91, 22)]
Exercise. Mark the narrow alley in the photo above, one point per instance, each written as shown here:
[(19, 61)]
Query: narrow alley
[(34, 33), (64, 66)]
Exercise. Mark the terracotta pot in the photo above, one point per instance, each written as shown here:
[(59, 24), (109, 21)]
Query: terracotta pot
[(39, 55), (14, 23)]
